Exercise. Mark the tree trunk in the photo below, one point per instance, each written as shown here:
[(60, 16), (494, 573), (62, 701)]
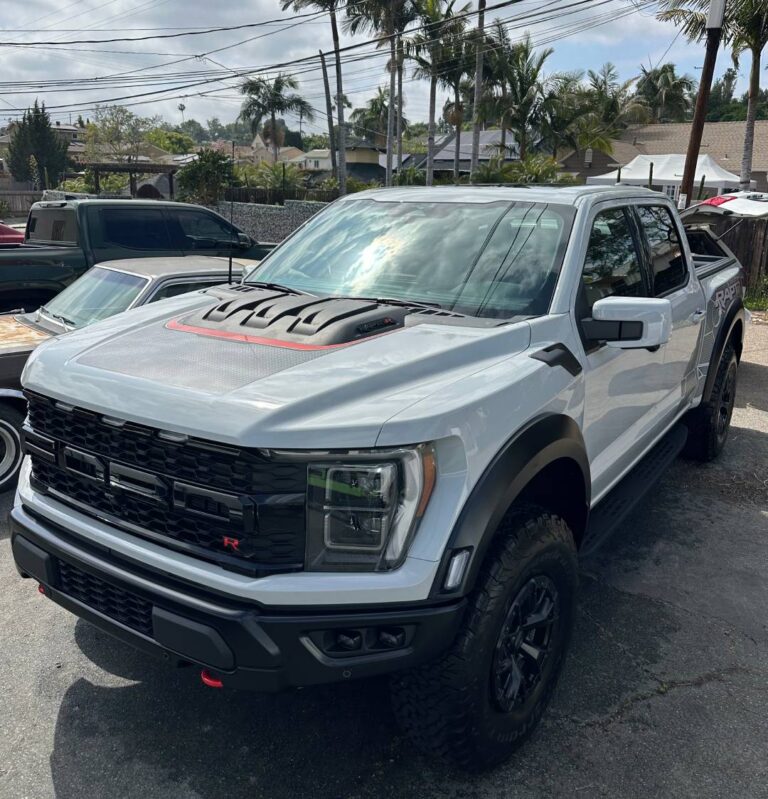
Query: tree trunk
[(342, 137), (749, 127), (391, 106), (503, 152), (400, 61), (329, 115), (459, 120), (431, 130), (478, 87)]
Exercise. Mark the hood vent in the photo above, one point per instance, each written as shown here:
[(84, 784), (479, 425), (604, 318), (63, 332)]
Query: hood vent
[(302, 319)]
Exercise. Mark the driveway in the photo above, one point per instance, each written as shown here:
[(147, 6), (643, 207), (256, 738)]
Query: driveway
[(665, 693)]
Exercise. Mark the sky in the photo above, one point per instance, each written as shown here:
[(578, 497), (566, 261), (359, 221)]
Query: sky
[(583, 33)]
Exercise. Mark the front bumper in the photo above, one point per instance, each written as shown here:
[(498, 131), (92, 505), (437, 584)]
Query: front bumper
[(243, 644)]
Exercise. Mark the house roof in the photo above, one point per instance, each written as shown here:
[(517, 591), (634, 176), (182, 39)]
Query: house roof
[(723, 141), (490, 144)]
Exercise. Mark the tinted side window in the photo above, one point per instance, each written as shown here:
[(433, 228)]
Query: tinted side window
[(201, 231), (612, 267), (133, 229), (174, 289), (668, 269)]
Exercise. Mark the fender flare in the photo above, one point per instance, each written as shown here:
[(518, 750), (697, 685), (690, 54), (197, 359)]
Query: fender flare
[(734, 316), (543, 441), (12, 393)]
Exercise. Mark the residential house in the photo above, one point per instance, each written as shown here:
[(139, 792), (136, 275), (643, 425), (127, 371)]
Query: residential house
[(490, 147), (262, 152), (723, 141), (313, 161)]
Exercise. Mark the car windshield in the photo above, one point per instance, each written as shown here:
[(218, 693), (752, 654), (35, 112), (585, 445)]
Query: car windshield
[(98, 294), (496, 259)]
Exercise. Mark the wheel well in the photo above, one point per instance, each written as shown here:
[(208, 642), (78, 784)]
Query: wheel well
[(29, 300), (559, 487), (737, 338), (17, 403)]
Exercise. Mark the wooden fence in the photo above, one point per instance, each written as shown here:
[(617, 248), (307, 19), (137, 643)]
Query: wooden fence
[(748, 238), (18, 202)]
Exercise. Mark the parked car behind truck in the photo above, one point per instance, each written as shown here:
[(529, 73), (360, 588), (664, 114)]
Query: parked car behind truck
[(384, 455), (66, 237), (105, 290)]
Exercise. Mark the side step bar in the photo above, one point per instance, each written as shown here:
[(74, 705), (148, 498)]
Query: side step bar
[(611, 511)]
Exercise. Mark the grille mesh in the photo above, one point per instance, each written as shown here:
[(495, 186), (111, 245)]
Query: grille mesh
[(117, 603), (276, 488)]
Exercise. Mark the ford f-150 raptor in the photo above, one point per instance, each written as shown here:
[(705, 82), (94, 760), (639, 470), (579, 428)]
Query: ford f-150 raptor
[(383, 452)]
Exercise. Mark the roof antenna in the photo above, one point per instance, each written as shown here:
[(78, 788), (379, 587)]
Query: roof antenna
[(231, 210)]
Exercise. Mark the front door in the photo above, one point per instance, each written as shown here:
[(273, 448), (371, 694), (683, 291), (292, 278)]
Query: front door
[(624, 388)]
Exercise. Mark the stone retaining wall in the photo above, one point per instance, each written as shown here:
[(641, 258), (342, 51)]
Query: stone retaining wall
[(270, 223)]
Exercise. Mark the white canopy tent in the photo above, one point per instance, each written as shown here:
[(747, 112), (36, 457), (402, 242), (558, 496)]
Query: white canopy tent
[(667, 171)]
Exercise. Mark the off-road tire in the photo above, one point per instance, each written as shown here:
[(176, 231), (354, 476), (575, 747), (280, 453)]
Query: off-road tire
[(450, 707), (11, 420), (709, 423)]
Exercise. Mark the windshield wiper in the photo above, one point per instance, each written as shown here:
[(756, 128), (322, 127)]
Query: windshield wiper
[(397, 301), (276, 287), (57, 317)]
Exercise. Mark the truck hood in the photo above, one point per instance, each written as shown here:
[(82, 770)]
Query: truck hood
[(184, 365)]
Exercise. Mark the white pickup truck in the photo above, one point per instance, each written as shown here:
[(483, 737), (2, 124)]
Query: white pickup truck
[(385, 454)]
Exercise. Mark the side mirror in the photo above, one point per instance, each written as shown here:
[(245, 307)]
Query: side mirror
[(630, 322), (244, 241)]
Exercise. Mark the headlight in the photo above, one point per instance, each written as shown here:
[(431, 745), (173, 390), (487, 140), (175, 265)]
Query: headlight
[(362, 510)]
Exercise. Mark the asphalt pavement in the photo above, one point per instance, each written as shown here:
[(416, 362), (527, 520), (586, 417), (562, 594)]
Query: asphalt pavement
[(665, 692)]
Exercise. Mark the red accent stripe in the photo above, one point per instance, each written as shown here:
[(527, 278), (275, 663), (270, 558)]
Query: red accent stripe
[(174, 324)]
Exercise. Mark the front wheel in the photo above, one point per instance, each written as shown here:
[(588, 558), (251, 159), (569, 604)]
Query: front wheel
[(10, 447), (485, 695)]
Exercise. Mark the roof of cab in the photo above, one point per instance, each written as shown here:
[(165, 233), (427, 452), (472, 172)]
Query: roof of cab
[(128, 202), (563, 195), (175, 265)]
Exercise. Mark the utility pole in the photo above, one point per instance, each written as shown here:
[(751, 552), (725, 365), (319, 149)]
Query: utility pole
[(329, 112), (714, 34)]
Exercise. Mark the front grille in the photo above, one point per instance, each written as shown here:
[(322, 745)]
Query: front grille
[(239, 507), (117, 603)]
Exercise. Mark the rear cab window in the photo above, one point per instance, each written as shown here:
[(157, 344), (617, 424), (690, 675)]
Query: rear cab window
[(668, 268), (53, 226)]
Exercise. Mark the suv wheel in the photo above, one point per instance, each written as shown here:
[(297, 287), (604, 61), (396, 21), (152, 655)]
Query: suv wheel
[(708, 424), (10, 447), (484, 696)]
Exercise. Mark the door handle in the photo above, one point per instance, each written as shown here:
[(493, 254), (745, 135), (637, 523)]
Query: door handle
[(697, 316)]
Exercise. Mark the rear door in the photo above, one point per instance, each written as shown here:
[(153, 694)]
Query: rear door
[(671, 278), (129, 231)]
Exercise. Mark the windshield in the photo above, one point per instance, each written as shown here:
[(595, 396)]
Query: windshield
[(98, 294), (496, 259)]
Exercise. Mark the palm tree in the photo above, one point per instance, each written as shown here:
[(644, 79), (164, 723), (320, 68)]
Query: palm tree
[(405, 13), (270, 98), (476, 109), (455, 65), (427, 50), (526, 87), (563, 107), (331, 7), (668, 95), (382, 17), (745, 27), (370, 122)]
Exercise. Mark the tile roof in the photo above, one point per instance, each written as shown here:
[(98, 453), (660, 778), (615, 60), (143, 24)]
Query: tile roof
[(723, 141)]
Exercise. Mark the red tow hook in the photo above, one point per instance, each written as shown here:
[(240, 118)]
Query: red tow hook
[(209, 680), (41, 589)]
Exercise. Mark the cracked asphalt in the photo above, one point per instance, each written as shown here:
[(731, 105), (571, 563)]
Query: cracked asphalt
[(665, 692)]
